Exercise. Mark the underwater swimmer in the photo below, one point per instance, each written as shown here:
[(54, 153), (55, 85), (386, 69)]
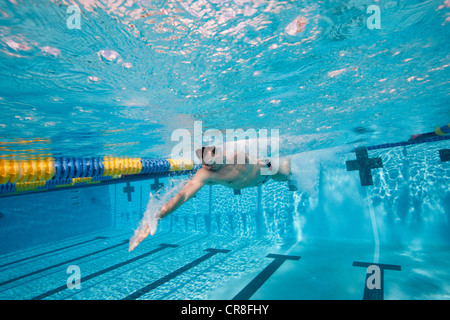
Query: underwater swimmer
[(216, 169)]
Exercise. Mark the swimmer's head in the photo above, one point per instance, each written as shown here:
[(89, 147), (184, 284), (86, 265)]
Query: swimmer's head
[(209, 157)]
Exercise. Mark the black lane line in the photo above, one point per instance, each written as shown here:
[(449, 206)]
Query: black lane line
[(162, 246), (262, 277), (157, 283), (52, 251), (375, 293), (63, 263)]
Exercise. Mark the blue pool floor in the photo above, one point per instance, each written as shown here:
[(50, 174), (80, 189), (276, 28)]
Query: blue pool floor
[(179, 266)]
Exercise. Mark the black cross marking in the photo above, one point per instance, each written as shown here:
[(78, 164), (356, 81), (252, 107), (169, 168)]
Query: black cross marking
[(128, 189), (157, 185), (364, 164)]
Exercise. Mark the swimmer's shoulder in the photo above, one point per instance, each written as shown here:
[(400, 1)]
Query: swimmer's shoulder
[(206, 176)]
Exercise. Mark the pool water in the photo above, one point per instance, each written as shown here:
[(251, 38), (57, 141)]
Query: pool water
[(135, 71), (318, 242)]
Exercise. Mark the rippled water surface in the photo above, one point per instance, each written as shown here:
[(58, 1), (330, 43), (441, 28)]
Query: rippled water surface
[(137, 70)]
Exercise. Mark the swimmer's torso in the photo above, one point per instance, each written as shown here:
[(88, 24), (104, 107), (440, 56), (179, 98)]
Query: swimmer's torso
[(236, 176)]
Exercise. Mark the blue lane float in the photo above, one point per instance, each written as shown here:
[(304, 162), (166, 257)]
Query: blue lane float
[(408, 143), (155, 165)]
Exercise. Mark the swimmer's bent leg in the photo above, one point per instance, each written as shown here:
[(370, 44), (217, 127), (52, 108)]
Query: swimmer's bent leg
[(284, 174), (284, 170)]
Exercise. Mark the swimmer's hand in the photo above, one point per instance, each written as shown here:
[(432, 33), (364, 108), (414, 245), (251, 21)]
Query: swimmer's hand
[(187, 192), (139, 237)]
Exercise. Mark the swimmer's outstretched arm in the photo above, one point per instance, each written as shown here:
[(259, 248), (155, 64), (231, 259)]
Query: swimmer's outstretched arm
[(186, 193)]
